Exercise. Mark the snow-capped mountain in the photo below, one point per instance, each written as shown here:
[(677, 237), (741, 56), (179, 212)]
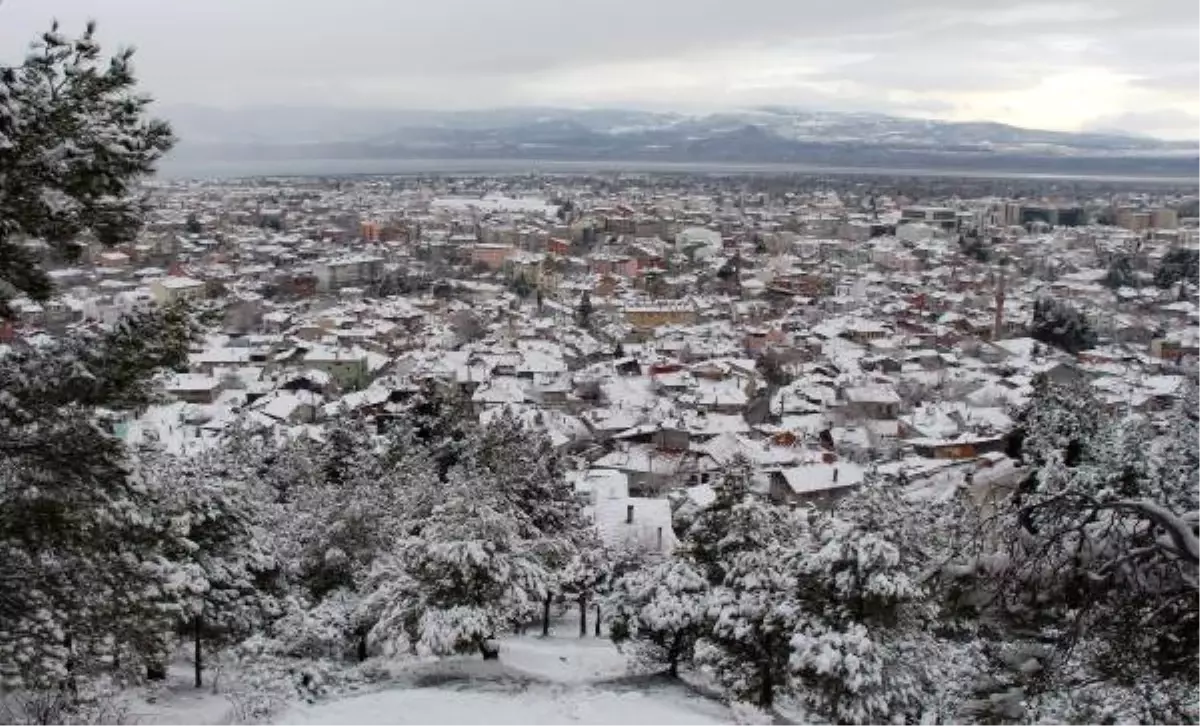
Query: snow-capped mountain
[(758, 135)]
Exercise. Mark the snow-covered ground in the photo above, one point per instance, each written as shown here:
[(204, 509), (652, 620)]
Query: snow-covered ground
[(560, 679), (532, 704)]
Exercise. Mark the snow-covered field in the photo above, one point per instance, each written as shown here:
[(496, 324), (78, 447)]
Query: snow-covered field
[(560, 679)]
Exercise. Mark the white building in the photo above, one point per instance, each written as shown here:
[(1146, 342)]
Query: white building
[(173, 289), (636, 524), (347, 272)]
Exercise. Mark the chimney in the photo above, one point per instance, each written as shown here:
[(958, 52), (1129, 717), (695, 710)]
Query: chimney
[(628, 514), (835, 473)]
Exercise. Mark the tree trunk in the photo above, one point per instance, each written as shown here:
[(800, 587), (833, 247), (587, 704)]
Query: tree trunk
[(68, 684), (766, 693), (196, 626), (362, 646), (546, 616), (156, 671), (597, 620), (583, 616)]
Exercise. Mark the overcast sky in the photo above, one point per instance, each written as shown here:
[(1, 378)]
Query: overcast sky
[(1087, 65)]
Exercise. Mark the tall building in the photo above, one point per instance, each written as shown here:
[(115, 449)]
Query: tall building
[(1164, 218), (943, 217), (1132, 219), (1054, 216)]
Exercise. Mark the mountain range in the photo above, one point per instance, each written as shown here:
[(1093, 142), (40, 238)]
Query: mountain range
[(759, 135)]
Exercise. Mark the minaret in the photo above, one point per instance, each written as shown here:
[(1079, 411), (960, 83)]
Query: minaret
[(998, 323)]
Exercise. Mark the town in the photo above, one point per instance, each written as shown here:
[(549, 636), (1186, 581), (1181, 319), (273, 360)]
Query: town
[(657, 326)]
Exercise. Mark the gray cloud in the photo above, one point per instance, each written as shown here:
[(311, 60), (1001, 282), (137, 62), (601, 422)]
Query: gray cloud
[(948, 58)]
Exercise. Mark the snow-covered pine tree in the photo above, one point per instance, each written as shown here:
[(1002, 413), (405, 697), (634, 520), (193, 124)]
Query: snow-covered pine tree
[(740, 543), (1059, 417), (1059, 324), (661, 610), (465, 577), (339, 505), (226, 580), (583, 576), (708, 541), (81, 571), (79, 538), (1096, 553), (528, 475), (440, 419), (74, 141), (859, 601), (752, 615)]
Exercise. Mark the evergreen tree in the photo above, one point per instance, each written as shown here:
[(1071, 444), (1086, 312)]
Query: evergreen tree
[(192, 225), (1095, 556), (856, 586), (86, 585), (345, 502), (1061, 325), (213, 535), (586, 574), (739, 544), (752, 616), (1178, 265), (529, 476), (736, 521), (661, 610), (1120, 273), (440, 420), (583, 312), (74, 141), (464, 578)]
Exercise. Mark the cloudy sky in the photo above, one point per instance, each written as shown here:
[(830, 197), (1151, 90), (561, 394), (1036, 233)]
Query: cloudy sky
[(1056, 64)]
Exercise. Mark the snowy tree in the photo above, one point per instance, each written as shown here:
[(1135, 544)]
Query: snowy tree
[(858, 601), (440, 419), (340, 505), (1096, 552), (739, 544), (736, 521), (752, 614), (661, 610), (1179, 265), (582, 576), (1061, 325), (74, 141), (528, 476), (844, 675), (456, 585), (86, 585), (213, 535), (1120, 273), (583, 311)]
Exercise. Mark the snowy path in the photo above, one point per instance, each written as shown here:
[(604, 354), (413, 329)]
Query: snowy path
[(538, 704), (559, 679)]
